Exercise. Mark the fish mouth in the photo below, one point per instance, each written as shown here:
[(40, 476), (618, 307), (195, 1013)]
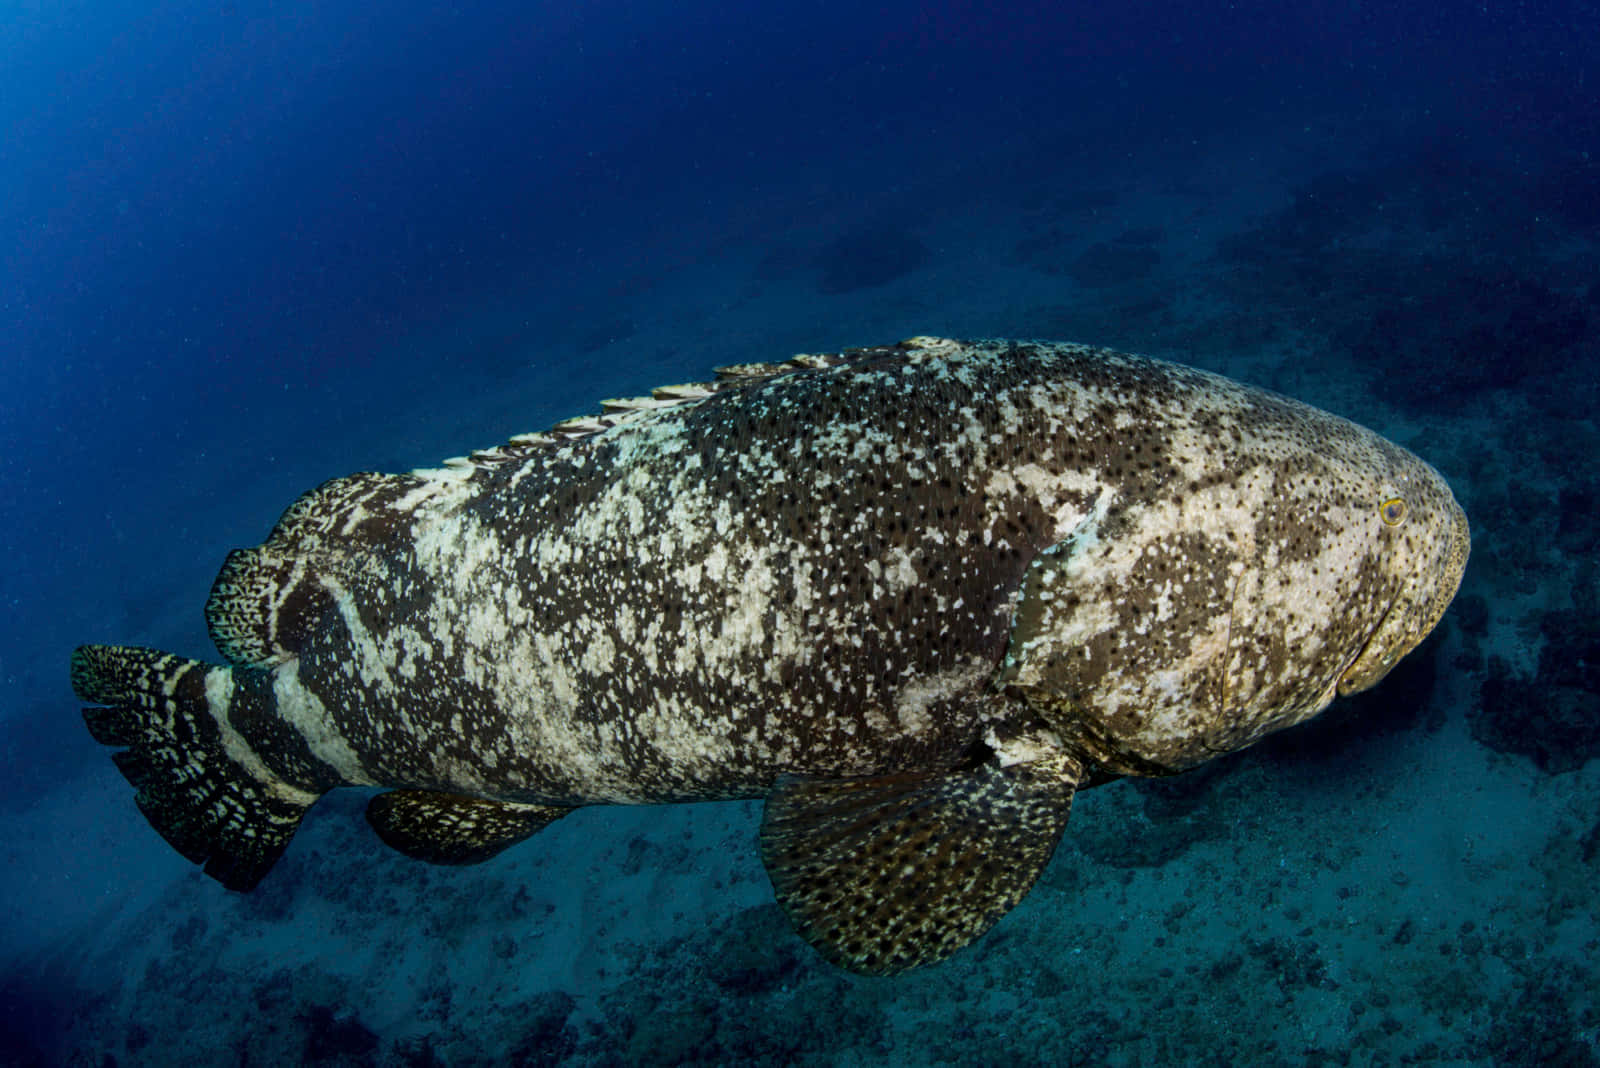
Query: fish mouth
[(1376, 656)]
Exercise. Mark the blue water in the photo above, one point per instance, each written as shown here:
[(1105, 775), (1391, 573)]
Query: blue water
[(243, 251)]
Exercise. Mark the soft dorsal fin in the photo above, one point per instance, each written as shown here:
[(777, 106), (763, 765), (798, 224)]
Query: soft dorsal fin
[(892, 872), (616, 411), (260, 609), (454, 829)]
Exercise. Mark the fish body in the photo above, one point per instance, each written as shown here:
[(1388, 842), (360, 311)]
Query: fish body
[(914, 596)]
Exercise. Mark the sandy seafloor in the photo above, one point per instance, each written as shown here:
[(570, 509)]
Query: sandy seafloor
[(1410, 879)]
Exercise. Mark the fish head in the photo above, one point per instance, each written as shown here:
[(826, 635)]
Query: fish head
[(1424, 542), (1356, 548), (1286, 558)]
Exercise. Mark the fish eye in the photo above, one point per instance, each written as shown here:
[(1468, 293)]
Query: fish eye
[(1393, 511)]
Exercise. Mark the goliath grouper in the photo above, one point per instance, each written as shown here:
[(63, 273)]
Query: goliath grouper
[(913, 596)]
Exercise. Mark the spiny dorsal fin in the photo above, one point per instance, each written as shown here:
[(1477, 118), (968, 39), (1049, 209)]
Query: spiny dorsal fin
[(267, 599), (619, 410), (892, 872), (454, 829)]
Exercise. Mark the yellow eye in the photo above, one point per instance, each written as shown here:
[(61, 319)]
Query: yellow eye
[(1393, 511)]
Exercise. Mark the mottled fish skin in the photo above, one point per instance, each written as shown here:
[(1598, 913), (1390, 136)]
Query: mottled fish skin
[(914, 596), (817, 573)]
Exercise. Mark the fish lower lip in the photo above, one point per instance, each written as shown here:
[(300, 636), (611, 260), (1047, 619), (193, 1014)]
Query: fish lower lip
[(1347, 685)]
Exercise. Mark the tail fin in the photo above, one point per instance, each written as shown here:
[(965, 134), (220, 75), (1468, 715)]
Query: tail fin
[(199, 782)]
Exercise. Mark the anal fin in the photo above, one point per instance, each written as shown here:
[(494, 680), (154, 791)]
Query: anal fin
[(892, 872), (445, 828)]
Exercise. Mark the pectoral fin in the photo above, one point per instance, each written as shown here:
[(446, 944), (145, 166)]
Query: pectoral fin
[(454, 829), (893, 872)]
